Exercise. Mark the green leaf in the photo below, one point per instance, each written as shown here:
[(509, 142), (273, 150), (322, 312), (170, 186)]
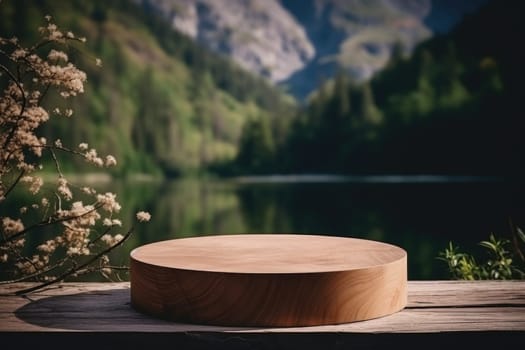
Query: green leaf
[(488, 245), (521, 235)]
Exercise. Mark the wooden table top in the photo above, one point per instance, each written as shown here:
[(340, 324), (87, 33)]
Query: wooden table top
[(268, 253)]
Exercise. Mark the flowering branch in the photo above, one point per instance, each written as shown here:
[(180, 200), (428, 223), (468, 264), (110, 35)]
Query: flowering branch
[(49, 222), (71, 250), (75, 269)]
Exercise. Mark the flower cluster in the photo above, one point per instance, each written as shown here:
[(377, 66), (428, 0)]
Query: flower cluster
[(82, 219)]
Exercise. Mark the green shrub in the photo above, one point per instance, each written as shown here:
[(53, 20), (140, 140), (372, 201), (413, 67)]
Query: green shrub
[(502, 262)]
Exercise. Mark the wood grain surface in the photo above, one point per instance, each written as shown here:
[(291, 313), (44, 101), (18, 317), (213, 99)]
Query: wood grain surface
[(433, 307), (268, 280)]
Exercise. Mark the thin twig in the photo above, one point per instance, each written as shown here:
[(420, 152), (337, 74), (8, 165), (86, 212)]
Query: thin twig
[(51, 221), (36, 274), (14, 183), (24, 102), (57, 165), (76, 268), (99, 236)]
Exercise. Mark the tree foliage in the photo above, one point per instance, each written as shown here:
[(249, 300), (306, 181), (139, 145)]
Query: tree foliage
[(453, 107)]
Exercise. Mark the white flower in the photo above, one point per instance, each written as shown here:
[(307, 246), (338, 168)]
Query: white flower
[(73, 251), (35, 183), (92, 157), (143, 216), (83, 146), (63, 188), (108, 202), (88, 190), (55, 55), (110, 161), (11, 226), (108, 239), (48, 247)]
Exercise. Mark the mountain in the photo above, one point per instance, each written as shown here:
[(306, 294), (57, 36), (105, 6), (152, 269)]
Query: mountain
[(159, 103), (300, 43), (261, 36), (355, 36)]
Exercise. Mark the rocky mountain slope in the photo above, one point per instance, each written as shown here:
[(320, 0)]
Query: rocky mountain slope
[(299, 43), (356, 36), (259, 35)]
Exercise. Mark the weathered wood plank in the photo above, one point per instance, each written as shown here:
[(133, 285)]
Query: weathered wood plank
[(433, 307), (465, 293)]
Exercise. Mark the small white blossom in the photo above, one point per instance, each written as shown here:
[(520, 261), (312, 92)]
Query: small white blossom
[(110, 161), (108, 202), (48, 247), (35, 183), (63, 189), (92, 157), (55, 55), (143, 216), (73, 251), (108, 239), (12, 226), (88, 190)]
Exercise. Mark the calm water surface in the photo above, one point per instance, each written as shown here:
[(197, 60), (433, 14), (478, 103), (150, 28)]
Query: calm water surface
[(419, 214)]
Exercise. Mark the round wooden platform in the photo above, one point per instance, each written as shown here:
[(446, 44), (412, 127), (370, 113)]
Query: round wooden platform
[(268, 280)]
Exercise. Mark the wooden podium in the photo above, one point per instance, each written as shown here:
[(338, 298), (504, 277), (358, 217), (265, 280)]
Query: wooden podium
[(281, 280)]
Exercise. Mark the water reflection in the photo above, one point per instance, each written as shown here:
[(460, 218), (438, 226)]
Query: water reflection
[(419, 217)]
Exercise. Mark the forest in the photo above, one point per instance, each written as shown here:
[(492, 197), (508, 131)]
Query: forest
[(167, 107), (160, 103), (452, 107)]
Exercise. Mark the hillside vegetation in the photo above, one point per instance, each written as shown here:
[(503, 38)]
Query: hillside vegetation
[(159, 103), (453, 107)]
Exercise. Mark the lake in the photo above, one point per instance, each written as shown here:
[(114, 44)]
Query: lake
[(420, 214)]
